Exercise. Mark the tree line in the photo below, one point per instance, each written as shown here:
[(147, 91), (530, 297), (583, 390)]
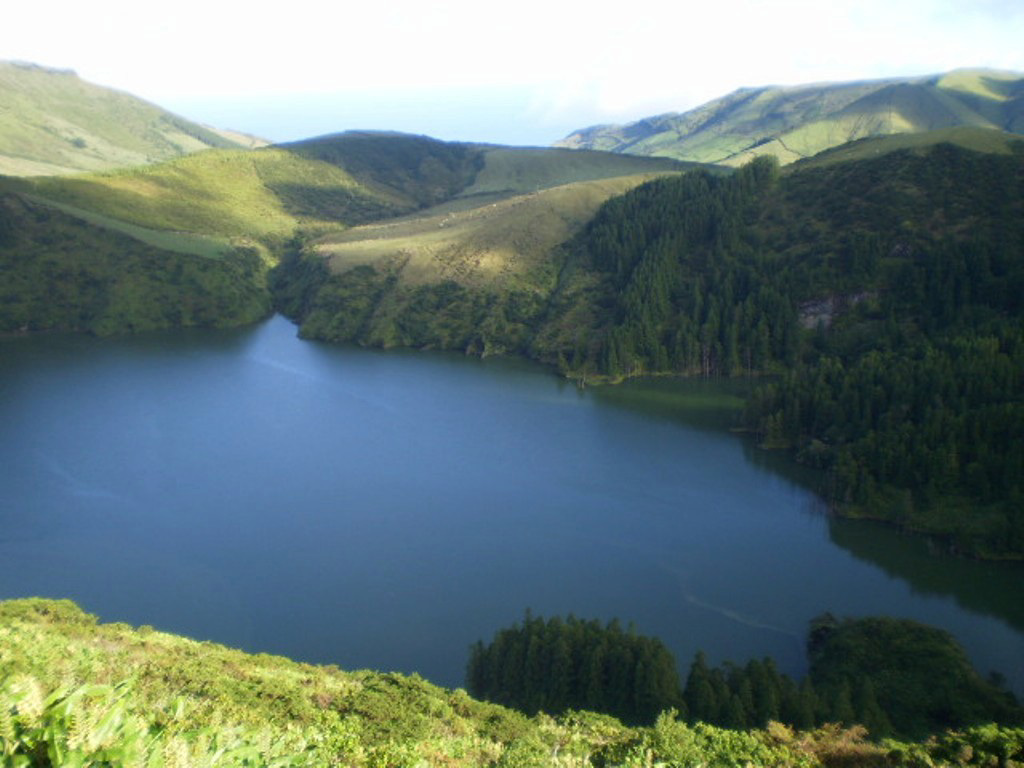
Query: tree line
[(877, 304), (895, 677), (560, 664)]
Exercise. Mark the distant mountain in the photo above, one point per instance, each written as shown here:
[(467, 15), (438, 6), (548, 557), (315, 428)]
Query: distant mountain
[(797, 122), (52, 122)]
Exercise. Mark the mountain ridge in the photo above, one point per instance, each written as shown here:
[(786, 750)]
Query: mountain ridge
[(52, 122), (796, 122)]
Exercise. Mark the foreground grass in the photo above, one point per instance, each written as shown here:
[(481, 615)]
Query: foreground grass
[(76, 692)]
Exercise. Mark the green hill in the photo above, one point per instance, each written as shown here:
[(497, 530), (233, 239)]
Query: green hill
[(76, 692), (426, 173), (476, 279), (324, 183), (219, 201), (262, 194), (791, 123), (883, 293), (482, 249), (52, 122), (865, 285), (983, 140)]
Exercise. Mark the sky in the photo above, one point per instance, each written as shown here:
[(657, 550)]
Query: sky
[(526, 73)]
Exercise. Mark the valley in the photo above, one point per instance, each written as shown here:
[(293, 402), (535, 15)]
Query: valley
[(834, 272)]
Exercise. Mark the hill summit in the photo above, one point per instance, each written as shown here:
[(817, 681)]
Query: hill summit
[(795, 122), (52, 123)]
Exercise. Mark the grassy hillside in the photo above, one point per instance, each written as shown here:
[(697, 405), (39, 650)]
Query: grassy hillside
[(263, 194), (211, 202), (52, 122), (425, 173), (493, 245), (413, 171), (792, 123), (508, 171), (75, 692), (983, 140), (321, 184), (474, 279)]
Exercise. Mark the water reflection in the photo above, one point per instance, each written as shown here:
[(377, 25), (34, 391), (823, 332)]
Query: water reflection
[(920, 563), (991, 589)]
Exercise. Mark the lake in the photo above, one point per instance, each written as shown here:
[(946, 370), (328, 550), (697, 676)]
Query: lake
[(387, 509)]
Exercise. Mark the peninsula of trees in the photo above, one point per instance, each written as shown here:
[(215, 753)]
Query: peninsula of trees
[(895, 677)]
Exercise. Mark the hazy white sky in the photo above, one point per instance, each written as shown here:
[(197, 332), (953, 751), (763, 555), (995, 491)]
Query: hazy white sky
[(525, 72)]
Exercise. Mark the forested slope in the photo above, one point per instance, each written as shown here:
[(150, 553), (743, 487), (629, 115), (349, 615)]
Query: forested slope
[(883, 294), (60, 271)]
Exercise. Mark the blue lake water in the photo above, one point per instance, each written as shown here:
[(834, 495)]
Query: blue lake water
[(387, 509)]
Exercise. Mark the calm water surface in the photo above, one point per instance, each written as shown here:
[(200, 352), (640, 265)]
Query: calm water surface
[(386, 510)]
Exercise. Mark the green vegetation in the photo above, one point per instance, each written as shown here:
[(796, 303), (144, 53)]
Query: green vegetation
[(55, 123), (267, 200), (875, 302), (903, 676), (178, 242), (881, 291), (680, 290), (556, 665), (61, 272), (475, 280), (893, 677), (261, 195), (885, 295), (75, 692), (416, 170), (792, 123)]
